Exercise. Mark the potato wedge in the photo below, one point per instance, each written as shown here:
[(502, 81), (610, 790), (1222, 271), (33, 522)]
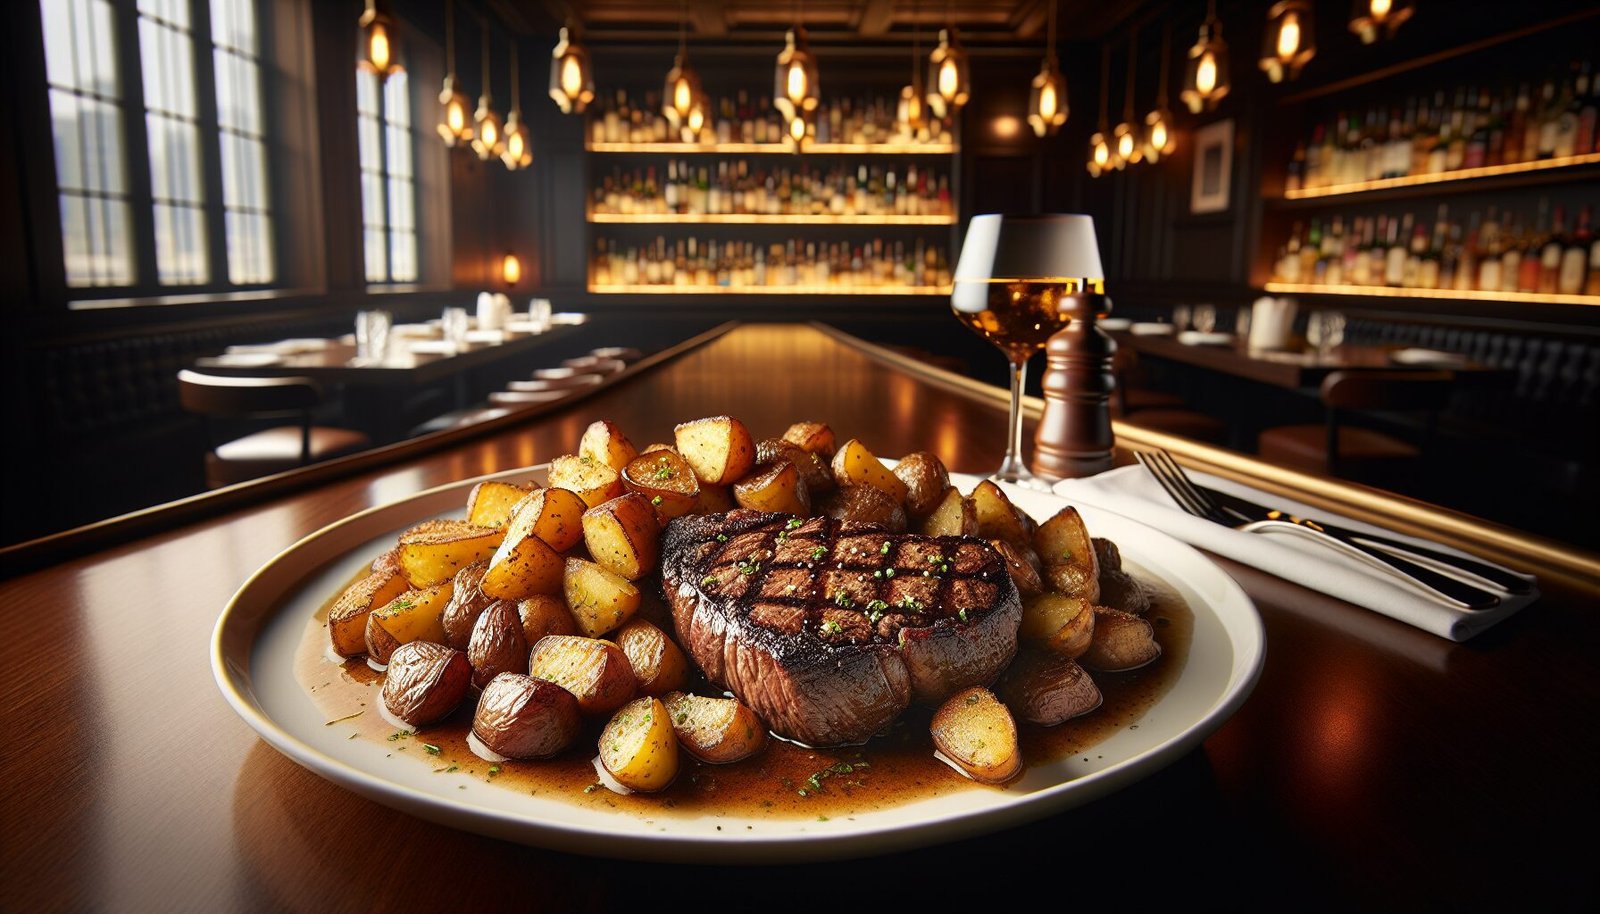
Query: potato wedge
[(638, 747), (1063, 539), (416, 615), (666, 480), (624, 535), (997, 517), (1071, 580), (953, 516), (813, 469), (1107, 554), (864, 505), (380, 644), (1121, 590), (1045, 688), (600, 600), (497, 644), (976, 732), (597, 673), (776, 487), (542, 614), (1121, 641), (854, 465), (657, 661), (425, 682), (433, 555), (490, 503), (347, 620), (1023, 573), (715, 730), (1063, 625), (714, 500), (606, 443), (719, 449), (815, 437), (526, 718), (524, 564), (658, 446), (591, 480), (926, 480), (466, 604), (554, 515)]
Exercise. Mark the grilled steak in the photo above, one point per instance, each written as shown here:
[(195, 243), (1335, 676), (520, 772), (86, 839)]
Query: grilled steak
[(828, 630)]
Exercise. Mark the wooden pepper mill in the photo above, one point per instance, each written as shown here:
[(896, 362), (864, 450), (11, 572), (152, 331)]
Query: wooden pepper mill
[(1074, 437)]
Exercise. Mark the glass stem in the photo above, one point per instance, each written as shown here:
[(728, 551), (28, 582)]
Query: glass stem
[(1013, 469)]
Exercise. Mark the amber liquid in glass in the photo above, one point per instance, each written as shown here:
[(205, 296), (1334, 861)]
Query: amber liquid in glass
[(1017, 315)]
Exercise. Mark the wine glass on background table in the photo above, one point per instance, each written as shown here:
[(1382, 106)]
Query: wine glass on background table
[(1008, 288)]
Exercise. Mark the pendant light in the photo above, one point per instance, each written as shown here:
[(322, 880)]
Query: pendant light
[(1369, 18), (1100, 144), (796, 90), (455, 121), (488, 139), (1290, 39), (377, 41), (1205, 78), (910, 114), (1127, 147), (683, 84), (949, 77), (698, 116), (1047, 97), (518, 152), (1159, 139), (571, 77), (510, 269)]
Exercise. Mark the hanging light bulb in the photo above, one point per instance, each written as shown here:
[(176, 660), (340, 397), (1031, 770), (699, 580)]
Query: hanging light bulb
[(1047, 95), (683, 84), (1127, 146), (1205, 80), (489, 136), (377, 41), (1158, 137), (510, 269), (694, 121), (1369, 18), (455, 124), (1290, 39), (949, 81), (795, 89), (1100, 143), (571, 78), (518, 152), (909, 113)]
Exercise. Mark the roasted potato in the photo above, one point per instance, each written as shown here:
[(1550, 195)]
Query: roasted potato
[(416, 615), (600, 600), (425, 682), (389, 562), (1071, 580), (815, 437), (976, 732), (1045, 688), (666, 480), (657, 662), (606, 443), (554, 515), (1063, 625), (588, 478), (926, 480), (997, 517), (624, 535), (432, 554), (597, 673), (955, 515), (854, 465), (776, 487), (542, 614), (1121, 641), (380, 644), (638, 747), (347, 620), (1023, 572), (813, 469), (658, 446), (466, 604), (497, 644), (1107, 554), (715, 730), (719, 449), (490, 503), (526, 718), (1063, 540), (1120, 590), (524, 564), (865, 505), (714, 500)]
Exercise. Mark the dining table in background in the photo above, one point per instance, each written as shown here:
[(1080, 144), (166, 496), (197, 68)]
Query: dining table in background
[(1375, 766)]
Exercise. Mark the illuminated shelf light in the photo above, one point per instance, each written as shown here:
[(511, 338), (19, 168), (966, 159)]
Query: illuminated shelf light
[(1552, 298), (770, 219), (1460, 174), (780, 148), (620, 289)]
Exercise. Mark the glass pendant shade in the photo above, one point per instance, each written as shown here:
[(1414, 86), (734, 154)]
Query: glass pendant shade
[(1127, 147), (1159, 139), (510, 269), (571, 76), (455, 118), (1372, 19), (517, 151), (695, 119), (377, 42), (1047, 99), (1100, 156), (949, 78), (1289, 41), (909, 113), (488, 139), (1205, 77), (795, 86), (680, 93)]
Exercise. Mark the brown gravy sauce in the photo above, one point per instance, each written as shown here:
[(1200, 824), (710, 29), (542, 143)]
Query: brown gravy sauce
[(783, 781)]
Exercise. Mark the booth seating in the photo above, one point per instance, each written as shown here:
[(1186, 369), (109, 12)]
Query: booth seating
[(1338, 448)]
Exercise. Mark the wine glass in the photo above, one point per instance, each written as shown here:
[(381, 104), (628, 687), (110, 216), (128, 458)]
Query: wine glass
[(1325, 331), (1008, 285), (1204, 318)]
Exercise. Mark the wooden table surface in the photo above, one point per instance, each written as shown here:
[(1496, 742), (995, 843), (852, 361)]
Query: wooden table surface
[(1375, 766), (1293, 370)]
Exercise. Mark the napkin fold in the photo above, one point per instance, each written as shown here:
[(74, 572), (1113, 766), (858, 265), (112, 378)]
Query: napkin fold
[(1134, 493)]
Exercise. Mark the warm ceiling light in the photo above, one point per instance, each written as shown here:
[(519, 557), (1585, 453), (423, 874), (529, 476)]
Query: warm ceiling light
[(682, 89), (949, 82), (909, 114), (377, 41), (798, 132), (1205, 80), (795, 87), (1127, 147), (518, 151), (571, 78), (455, 124), (1159, 139), (489, 137), (510, 269), (1290, 39), (1368, 18), (694, 120), (1100, 143), (1047, 96)]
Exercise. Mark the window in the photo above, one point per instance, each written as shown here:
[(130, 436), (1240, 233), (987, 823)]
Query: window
[(388, 178), (172, 129), (237, 58)]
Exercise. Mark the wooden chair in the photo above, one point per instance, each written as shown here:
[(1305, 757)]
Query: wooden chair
[(1157, 410), (1336, 448), (271, 450)]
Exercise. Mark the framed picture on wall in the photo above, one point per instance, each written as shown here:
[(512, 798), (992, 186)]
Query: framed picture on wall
[(1213, 168)]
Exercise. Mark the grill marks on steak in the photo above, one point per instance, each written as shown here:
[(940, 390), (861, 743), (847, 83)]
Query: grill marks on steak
[(829, 631)]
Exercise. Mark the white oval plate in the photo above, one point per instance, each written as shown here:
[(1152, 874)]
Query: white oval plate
[(253, 651)]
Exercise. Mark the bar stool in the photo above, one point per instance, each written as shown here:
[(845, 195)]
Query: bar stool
[(271, 450), (1338, 449)]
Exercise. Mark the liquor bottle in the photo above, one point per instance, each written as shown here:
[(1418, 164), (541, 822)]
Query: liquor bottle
[(1294, 176), (1587, 140), (1429, 268), (1527, 278), (1511, 255), (1394, 263), (1517, 127), (1476, 150), (1416, 252), (1550, 255), (1591, 286), (1489, 251), (1456, 152), (1438, 149), (1574, 256), (1467, 267), (1310, 251), (1450, 260), (1360, 269), (1567, 117), (1549, 120)]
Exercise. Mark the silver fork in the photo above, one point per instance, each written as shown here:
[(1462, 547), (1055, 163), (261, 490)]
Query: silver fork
[(1192, 500)]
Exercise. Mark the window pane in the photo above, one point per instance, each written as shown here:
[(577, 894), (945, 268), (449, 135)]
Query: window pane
[(366, 93), (249, 248), (388, 191), (180, 245), (238, 93), (174, 159), (403, 254), (377, 262), (233, 24), (397, 99), (167, 56)]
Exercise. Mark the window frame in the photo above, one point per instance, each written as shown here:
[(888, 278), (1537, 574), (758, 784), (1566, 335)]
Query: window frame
[(386, 129)]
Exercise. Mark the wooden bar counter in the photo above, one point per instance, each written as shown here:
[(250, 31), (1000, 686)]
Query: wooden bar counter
[(1374, 766)]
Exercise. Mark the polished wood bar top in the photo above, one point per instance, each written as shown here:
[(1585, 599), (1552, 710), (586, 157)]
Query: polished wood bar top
[(1374, 766), (1291, 369)]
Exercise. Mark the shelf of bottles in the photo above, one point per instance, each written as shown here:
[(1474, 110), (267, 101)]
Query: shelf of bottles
[(751, 125), (734, 193), (794, 267)]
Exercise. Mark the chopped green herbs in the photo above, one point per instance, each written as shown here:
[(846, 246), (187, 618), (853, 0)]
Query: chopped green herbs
[(664, 471), (656, 501), (793, 524), (747, 567), (722, 537), (818, 553), (884, 550), (432, 749), (843, 600), (831, 627)]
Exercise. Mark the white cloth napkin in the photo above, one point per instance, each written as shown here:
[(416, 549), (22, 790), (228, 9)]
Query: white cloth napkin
[(1134, 493)]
